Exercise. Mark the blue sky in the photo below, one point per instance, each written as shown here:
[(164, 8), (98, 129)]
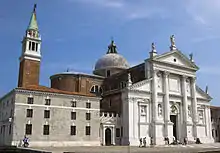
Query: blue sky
[(75, 33)]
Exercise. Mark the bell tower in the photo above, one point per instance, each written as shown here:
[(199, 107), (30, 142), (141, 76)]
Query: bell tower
[(30, 58)]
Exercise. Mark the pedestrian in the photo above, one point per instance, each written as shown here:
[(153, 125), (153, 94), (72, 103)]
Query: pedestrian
[(140, 142), (144, 141)]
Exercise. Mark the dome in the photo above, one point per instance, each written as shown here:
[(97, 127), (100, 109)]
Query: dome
[(112, 59)]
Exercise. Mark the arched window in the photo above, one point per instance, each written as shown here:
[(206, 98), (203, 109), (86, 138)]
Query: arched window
[(96, 89)]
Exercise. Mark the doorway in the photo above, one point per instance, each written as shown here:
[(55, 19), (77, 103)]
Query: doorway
[(108, 135), (173, 119)]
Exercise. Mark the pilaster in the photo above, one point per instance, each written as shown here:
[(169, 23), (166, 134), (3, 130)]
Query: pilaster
[(194, 106), (185, 105), (166, 103)]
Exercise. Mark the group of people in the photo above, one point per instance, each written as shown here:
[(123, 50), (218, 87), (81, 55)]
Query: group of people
[(143, 142)]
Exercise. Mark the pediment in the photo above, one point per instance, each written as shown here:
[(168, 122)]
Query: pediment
[(202, 94), (144, 85), (176, 58)]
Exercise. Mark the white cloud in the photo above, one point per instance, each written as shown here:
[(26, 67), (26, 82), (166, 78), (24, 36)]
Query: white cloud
[(130, 10)]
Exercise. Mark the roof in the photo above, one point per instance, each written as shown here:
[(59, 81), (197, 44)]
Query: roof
[(52, 90), (215, 107), (76, 73), (33, 21)]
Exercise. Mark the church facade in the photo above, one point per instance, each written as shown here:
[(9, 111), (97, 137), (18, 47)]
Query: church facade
[(116, 105)]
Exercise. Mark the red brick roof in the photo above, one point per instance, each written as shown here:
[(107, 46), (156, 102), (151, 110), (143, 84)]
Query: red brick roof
[(52, 90)]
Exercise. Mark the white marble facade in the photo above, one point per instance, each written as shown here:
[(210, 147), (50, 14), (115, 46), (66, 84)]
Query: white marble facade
[(167, 104)]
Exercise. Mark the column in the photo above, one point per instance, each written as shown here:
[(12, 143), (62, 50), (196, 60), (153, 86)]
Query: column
[(154, 96), (103, 135), (194, 106), (185, 105), (154, 106), (113, 135), (166, 103)]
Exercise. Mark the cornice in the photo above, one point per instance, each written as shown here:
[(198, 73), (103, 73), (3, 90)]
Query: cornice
[(139, 84), (53, 94)]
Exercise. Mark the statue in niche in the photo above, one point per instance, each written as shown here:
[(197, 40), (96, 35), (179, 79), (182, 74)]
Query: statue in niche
[(173, 109), (159, 110), (143, 110), (189, 111)]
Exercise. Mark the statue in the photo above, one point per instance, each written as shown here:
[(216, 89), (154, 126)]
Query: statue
[(159, 110), (153, 47), (129, 79), (189, 111), (172, 39), (173, 46)]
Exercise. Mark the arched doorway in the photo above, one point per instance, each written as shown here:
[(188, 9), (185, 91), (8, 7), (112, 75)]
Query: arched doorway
[(108, 135)]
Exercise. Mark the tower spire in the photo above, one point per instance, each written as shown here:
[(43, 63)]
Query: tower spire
[(33, 21)]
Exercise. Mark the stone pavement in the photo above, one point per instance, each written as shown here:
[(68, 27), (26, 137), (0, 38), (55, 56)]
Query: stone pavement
[(193, 148)]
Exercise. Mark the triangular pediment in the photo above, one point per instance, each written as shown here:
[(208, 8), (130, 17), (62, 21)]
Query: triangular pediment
[(202, 94), (144, 85), (176, 58)]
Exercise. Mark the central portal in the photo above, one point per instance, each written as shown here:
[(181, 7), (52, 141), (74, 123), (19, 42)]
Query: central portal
[(108, 135), (173, 119)]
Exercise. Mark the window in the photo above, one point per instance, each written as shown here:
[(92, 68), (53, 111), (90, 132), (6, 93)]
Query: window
[(30, 100), (46, 130), (73, 103), (73, 115), (47, 101), (29, 113), (88, 116), (121, 131), (73, 130), (33, 46), (36, 47), (46, 113), (28, 129), (110, 103), (29, 45), (174, 60), (88, 130), (108, 73), (88, 105), (96, 89), (117, 132), (9, 129)]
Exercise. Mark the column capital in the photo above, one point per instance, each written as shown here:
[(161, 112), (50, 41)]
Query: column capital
[(193, 79), (166, 74)]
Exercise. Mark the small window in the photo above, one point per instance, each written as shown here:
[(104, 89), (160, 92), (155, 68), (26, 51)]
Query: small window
[(73, 130), (73, 103), (36, 47), (88, 130), (73, 115), (121, 131), (88, 116), (110, 103), (29, 113), (47, 101), (30, 100), (174, 60), (33, 46), (88, 105), (9, 132), (118, 132), (46, 113), (46, 130), (29, 45), (108, 73), (28, 129)]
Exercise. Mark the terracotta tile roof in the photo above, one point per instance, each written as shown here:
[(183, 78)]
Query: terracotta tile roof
[(52, 90), (215, 107)]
